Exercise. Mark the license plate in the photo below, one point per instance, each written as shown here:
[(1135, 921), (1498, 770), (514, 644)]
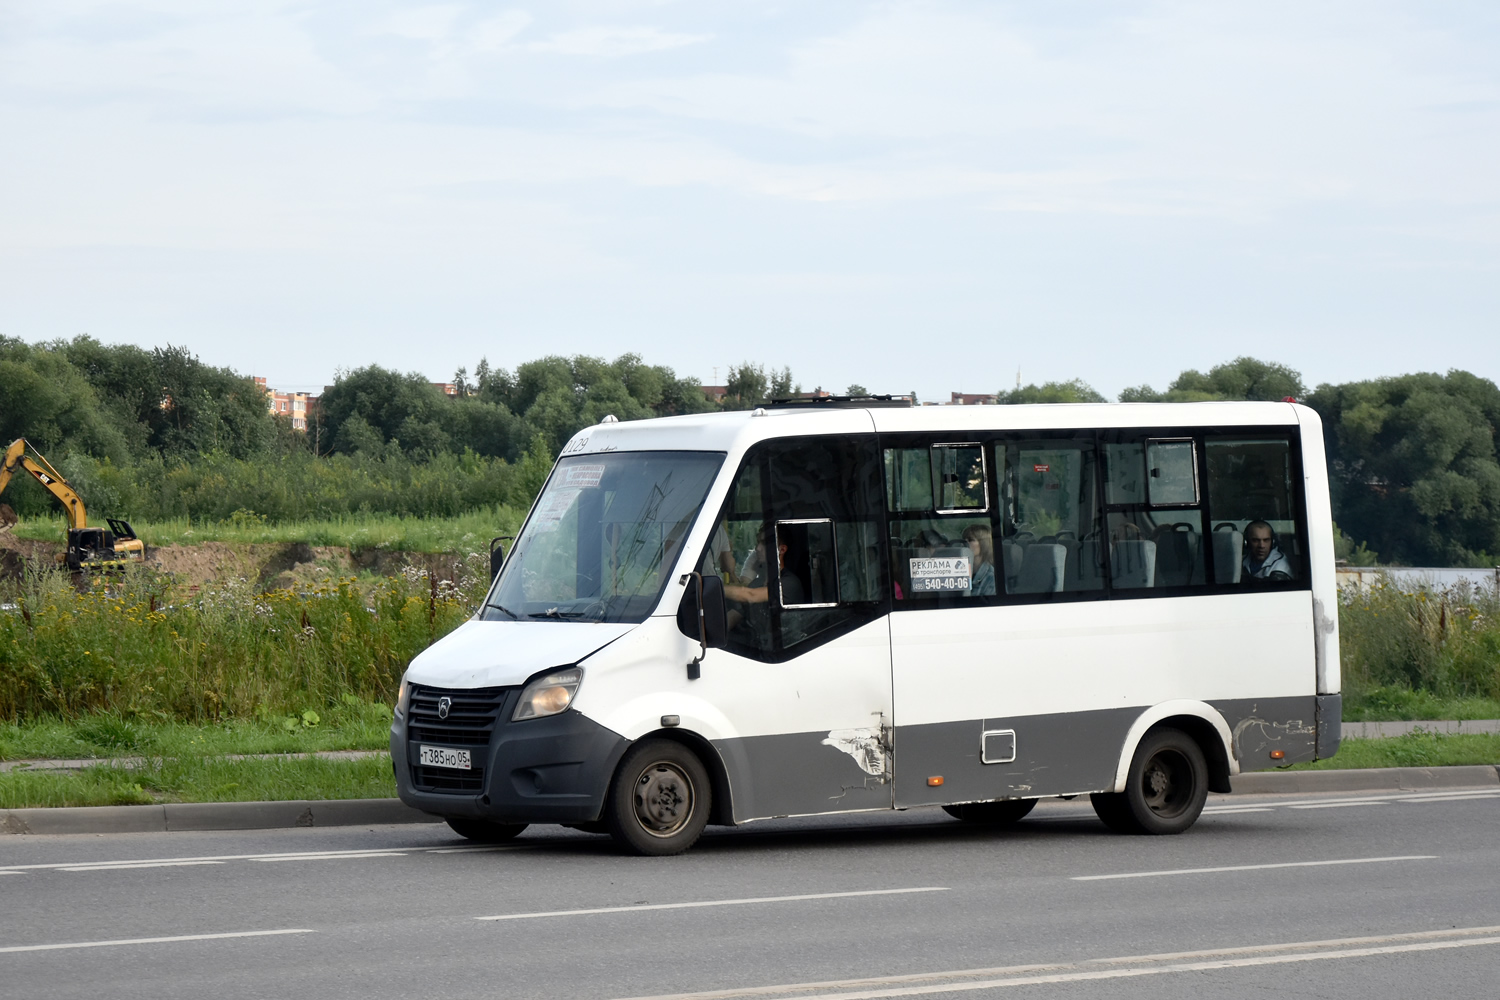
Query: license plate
[(443, 757)]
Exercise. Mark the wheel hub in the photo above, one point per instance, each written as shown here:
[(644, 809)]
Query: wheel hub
[(663, 799)]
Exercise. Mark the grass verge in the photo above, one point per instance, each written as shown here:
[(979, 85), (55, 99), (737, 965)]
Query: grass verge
[(200, 779), (468, 532), (1417, 749), (351, 724)]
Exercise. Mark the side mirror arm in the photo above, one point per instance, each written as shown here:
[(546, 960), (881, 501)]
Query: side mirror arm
[(694, 667)]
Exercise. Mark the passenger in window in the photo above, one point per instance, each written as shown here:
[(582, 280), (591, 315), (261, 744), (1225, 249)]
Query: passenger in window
[(722, 554), (982, 546), (1264, 559), (758, 591)]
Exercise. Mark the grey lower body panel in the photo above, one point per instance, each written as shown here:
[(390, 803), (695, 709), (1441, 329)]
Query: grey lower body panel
[(1073, 752), (552, 770), (797, 774)]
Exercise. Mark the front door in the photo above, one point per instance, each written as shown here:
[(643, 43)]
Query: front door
[(805, 682)]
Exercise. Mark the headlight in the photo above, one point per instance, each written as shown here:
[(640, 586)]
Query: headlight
[(549, 695), (403, 697)]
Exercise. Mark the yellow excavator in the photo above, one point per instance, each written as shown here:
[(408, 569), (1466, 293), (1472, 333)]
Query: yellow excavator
[(87, 547)]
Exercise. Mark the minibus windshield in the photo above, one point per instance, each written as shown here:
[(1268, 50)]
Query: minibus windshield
[(603, 537)]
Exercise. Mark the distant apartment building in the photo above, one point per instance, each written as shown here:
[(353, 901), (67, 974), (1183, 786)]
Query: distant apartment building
[(294, 405)]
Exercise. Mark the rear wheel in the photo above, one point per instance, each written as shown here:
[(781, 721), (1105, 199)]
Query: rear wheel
[(483, 831), (992, 813), (1165, 790), (660, 799)]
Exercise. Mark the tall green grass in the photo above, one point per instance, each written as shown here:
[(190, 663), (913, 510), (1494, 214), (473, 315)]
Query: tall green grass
[(1424, 653), (137, 648), (470, 531)]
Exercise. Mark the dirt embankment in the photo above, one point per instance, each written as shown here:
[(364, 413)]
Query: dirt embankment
[(279, 565)]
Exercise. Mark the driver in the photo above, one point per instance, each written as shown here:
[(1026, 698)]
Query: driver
[(1264, 559)]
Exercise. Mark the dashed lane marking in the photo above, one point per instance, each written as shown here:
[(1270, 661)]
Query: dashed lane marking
[(1250, 868), (153, 940), (132, 865), (713, 902)]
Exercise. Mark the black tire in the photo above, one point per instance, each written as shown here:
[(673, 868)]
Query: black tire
[(1006, 813), (660, 799), (1165, 789), (482, 831)]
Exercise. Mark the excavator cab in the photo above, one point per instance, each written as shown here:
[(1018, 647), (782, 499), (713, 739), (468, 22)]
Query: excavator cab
[(89, 546)]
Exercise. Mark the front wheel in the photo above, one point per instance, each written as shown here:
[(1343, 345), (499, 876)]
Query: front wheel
[(1165, 789), (1003, 813), (482, 831), (660, 799)]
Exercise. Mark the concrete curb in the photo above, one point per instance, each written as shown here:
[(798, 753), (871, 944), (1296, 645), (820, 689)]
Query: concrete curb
[(1374, 779), (183, 816)]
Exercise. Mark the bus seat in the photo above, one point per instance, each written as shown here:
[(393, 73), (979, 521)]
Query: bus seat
[(1012, 557), (1177, 554), (1042, 569), (1134, 563), (1229, 547)]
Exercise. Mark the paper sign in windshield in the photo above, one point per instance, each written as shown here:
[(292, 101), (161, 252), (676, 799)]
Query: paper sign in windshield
[(553, 508), (583, 476), (939, 573)]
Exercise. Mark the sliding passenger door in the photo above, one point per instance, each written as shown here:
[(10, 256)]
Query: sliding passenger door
[(989, 540)]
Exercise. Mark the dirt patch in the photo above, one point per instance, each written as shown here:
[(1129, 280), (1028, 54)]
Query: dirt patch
[(293, 565)]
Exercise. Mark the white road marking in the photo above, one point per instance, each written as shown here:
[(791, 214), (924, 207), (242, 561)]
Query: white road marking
[(131, 865), (329, 857), (1450, 798), (713, 902), (155, 940), (219, 857), (1250, 868), (1019, 975), (1338, 805), (1231, 810)]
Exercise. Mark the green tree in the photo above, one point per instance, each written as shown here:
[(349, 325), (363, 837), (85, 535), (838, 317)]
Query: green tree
[(1413, 467), (1242, 378), (406, 410), (1075, 391)]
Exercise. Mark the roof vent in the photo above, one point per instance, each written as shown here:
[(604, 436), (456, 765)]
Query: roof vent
[(759, 411), (610, 418)]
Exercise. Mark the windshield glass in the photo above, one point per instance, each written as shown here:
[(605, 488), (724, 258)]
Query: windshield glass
[(603, 537)]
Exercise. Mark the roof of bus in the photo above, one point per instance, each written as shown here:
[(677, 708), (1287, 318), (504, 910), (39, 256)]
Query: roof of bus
[(730, 431)]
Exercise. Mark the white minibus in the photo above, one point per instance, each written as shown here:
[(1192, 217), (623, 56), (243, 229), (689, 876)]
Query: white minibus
[(848, 605)]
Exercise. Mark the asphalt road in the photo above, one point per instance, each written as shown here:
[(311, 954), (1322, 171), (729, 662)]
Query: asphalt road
[(1367, 896)]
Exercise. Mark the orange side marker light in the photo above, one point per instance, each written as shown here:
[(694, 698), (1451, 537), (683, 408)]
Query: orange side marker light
[(1277, 754), (934, 781)]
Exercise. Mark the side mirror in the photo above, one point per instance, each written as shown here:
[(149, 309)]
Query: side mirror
[(497, 555), (702, 616)]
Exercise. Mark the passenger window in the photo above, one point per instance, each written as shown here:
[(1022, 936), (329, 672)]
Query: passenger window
[(941, 533), (1172, 478), (1051, 528), (1253, 500), (1155, 516), (797, 544), (958, 473)]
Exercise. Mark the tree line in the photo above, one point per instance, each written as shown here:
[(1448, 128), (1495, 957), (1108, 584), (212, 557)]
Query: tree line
[(157, 434)]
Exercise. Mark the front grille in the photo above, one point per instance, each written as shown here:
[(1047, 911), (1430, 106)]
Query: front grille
[(473, 714)]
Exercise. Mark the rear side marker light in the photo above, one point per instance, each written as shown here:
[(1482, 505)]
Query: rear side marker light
[(1277, 754), (934, 781)]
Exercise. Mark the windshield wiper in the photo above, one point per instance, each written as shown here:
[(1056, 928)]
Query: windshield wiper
[(508, 611), (555, 613)]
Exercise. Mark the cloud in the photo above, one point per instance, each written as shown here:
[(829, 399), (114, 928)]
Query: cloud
[(610, 41)]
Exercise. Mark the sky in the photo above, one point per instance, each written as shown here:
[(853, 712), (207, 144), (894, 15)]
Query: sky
[(927, 196)]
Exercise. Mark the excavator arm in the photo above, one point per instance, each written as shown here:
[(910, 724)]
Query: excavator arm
[(41, 470)]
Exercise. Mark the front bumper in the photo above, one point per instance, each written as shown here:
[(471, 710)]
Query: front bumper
[(551, 770)]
